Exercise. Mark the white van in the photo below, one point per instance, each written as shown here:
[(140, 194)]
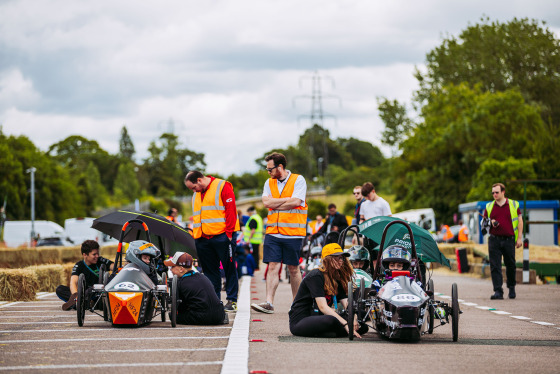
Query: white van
[(77, 230), (18, 233), (415, 216)]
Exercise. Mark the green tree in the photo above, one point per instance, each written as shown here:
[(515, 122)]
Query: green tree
[(362, 153), (126, 147), (521, 54), (127, 187), (462, 128), (397, 124)]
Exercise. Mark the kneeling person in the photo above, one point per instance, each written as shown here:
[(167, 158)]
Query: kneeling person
[(89, 266), (199, 303)]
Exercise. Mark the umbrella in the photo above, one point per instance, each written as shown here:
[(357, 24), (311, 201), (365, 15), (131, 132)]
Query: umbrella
[(169, 236), (426, 247)]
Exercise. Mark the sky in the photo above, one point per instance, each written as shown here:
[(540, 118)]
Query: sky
[(228, 77)]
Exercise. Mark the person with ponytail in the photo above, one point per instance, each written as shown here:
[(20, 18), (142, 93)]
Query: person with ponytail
[(313, 311)]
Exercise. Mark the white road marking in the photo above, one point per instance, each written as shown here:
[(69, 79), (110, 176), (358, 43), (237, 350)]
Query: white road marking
[(112, 339), (9, 304), (59, 307), (500, 312), (20, 351), (520, 317), (484, 307), (461, 300), (236, 359), (470, 304), (42, 323), (27, 311), (109, 365), (85, 329), (46, 294), (542, 323), (445, 297), (58, 316)]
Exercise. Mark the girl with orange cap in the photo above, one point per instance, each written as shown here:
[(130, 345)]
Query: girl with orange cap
[(312, 312)]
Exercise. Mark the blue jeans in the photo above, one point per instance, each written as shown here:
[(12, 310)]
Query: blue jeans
[(210, 253)]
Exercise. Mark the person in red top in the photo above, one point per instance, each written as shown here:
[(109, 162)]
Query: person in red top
[(214, 224)]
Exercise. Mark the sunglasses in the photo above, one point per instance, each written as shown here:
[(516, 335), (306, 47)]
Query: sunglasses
[(495, 193), (357, 193), (270, 169)]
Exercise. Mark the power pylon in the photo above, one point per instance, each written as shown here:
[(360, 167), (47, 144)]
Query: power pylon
[(316, 117)]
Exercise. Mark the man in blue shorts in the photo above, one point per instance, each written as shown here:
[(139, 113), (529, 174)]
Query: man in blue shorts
[(284, 195)]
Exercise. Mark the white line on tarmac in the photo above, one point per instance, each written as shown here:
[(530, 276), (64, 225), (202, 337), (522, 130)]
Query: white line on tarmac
[(145, 329), (470, 304), (520, 317), (59, 316), (9, 304), (484, 307), (542, 323), (445, 297), (49, 322), (236, 359), (27, 311), (500, 312), (59, 307), (20, 351), (107, 339), (46, 294), (109, 365)]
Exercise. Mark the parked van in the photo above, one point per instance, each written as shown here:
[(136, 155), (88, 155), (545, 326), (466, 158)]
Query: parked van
[(18, 233), (415, 216), (77, 230)]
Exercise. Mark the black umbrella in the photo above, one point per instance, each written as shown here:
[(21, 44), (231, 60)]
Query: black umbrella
[(167, 235)]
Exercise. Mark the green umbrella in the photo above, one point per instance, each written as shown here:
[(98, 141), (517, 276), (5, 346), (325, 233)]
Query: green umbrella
[(426, 247)]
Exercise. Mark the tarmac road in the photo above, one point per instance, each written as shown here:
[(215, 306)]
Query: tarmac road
[(39, 337)]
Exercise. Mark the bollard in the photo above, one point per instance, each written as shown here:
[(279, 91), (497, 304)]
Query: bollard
[(525, 260)]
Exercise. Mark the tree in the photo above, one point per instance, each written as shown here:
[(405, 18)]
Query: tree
[(362, 153), (521, 54), (397, 124), (126, 147), (462, 128), (126, 186)]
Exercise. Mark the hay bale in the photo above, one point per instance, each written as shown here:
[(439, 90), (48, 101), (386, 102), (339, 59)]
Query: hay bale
[(18, 284), (8, 257), (48, 276), (70, 254), (108, 251), (67, 273), (49, 255)]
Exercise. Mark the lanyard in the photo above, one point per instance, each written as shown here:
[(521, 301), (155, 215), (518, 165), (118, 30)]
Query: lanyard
[(95, 272), (188, 274)]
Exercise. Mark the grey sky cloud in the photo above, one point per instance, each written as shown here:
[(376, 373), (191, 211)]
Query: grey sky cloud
[(224, 72)]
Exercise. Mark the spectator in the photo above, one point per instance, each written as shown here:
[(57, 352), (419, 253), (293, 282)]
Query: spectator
[(463, 232), (374, 205), (284, 195), (318, 224), (445, 232), (89, 266), (199, 303), (214, 223), (359, 200), (172, 215), (250, 265), (253, 233), (506, 224), (334, 221)]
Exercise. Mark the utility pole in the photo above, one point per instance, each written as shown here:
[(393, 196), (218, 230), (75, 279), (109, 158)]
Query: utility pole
[(32, 170), (317, 116)]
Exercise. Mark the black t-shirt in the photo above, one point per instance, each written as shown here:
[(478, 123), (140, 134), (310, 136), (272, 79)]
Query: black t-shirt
[(253, 224), (312, 286), (199, 298), (91, 272)]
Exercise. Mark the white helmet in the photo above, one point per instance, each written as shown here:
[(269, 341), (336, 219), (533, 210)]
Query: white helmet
[(136, 249)]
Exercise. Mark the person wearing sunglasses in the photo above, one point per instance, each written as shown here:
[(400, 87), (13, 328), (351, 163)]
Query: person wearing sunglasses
[(506, 223), (284, 195)]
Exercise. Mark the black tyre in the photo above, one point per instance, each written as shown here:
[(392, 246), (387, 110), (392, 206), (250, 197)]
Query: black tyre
[(164, 278), (174, 301), (455, 312), (81, 300), (163, 300), (431, 310), (350, 319), (431, 288), (102, 271)]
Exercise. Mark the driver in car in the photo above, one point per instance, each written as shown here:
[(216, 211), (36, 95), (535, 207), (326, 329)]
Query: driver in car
[(144, 255)]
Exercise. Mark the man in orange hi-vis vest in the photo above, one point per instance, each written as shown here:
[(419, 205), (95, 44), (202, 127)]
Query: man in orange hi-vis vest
[(214, 223), (284, 195)]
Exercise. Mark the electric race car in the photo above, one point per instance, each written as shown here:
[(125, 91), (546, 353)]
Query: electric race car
[(128, 296)]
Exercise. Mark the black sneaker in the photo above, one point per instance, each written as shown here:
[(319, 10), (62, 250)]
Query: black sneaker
[(497, 296), (226, 319), (230, 307), (512, 293)]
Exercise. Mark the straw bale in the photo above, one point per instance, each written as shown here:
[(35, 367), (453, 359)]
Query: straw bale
[(67, 273), (108, 251), (48, 276), (8, 257), (70, 254), (18, 284)]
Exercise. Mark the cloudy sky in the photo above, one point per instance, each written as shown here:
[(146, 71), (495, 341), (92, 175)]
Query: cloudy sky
[(222, 75)]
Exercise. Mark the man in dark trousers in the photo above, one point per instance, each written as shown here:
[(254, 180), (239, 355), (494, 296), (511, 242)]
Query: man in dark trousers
[(214, 223), (334, 221), (505, 225), (199, 303)]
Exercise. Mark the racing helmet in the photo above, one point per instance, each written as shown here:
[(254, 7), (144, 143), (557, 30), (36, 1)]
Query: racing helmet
[(395, 253), (359, 253), (316, 251), (136, 249)]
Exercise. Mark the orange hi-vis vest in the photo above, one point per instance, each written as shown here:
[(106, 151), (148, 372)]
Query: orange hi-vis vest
[(463, 236), (447, 234), (292, 222), (209, 215)]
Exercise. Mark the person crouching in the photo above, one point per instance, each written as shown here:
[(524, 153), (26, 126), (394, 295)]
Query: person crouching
[(199, 303), (312, 312)]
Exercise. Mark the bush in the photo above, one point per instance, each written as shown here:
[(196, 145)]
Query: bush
[(316, 207)]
